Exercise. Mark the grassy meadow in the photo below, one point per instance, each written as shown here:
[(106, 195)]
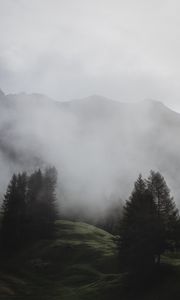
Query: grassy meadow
[(80, 263)]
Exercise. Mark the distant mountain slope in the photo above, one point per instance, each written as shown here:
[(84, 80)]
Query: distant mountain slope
[(98, 145)]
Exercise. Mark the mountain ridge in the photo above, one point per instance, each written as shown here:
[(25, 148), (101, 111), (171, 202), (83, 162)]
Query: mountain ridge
[(91, 98)]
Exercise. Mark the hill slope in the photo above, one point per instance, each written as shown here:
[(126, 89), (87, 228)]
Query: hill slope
[(80, 263)]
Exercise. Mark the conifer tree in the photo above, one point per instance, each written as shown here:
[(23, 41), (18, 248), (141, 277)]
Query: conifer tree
[(166, 209), (139, 230), (34, 192), (48, 212), (41, 203), (150, 224), (28, 210), (14, 213)]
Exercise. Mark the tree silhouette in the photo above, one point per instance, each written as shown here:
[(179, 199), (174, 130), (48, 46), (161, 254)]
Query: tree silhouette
[(14, 213), (34, 191), (41, 203), (139, 230), (150, 224), (166, 210), (28, 208)]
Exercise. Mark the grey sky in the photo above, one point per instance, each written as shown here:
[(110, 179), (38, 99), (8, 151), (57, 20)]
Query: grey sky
[(126, 50)]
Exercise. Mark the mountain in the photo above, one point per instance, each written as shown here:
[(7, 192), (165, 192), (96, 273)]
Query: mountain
[(98, 145)]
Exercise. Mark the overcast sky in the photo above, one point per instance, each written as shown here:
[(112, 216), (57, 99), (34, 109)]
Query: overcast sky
[(127, 50)]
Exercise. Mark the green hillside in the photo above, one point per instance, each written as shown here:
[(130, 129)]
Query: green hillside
[(80, 263)]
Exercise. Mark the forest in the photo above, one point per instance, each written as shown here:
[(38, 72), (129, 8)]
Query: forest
[(137, 245)]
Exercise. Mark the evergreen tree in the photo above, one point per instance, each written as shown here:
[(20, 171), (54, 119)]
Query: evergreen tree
[(22, 207), (139, 230), (34, 192), (14, 213), (150, 224), (41, 203), (48, 213), (28, 210), (49, 195), (166, 209)]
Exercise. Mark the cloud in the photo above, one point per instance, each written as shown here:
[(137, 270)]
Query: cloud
[(126, 50), (98, 146)]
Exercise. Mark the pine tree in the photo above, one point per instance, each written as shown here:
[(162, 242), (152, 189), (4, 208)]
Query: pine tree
[(139, 230), (14, 211), (41, 203), (150, 224), (166, 209), (165, 205), (48, 212), (28, 210), (34, 207)]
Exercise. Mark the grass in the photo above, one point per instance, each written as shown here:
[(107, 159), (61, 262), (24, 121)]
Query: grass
[(80, 263)]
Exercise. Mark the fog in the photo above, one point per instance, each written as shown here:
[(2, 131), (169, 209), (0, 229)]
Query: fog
[(99, 146), (124, 50)]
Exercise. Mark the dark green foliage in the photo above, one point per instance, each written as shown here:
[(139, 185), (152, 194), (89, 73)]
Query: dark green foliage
[(48, 194), (166, 209), (139, 230), (14, 212), (41, 203), (28, 208), (33, 204), (150, 222)]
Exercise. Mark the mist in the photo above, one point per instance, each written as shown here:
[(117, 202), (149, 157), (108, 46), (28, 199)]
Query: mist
[(124, 50), (99, 146)]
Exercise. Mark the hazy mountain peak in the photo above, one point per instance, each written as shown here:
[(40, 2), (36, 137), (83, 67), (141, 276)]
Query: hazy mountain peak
[(94, 106)]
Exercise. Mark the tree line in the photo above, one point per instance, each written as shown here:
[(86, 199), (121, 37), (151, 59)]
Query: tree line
[(147, 226), (28, 209)]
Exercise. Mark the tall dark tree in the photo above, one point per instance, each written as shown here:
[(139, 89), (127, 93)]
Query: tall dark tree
[(14, 213), (28, 210), (41, 203), (166, 209), (139, 230), (34, 192), (150, 224), (47, 201), (49, 195)]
